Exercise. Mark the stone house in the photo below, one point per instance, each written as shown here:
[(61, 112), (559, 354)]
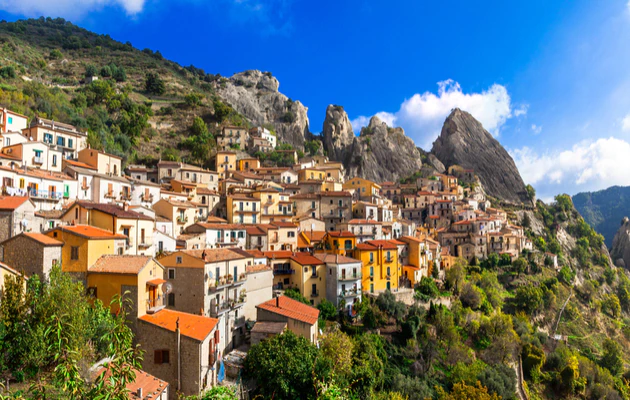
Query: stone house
[(32, 253), (300, 318), (182, 349), (17, 214)]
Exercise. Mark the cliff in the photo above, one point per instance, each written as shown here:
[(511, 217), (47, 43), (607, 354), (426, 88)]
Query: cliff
[(379, 153), (620, 252), (463, 141), (604, 209), (255, 95)]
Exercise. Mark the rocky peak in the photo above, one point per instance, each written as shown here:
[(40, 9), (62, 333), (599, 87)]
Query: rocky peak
[(255, 95), (337, 133), (379, 153), (620, 252), (464, 142)]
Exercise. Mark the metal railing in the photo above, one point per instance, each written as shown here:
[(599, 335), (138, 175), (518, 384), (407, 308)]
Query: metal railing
[(315, 293), (44, 194), (283, 271), (182, 220)]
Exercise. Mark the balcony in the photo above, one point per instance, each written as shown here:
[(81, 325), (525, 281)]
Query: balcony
[(182, 219), (144, 244), (218, 308), (242, 278), (38, 160), (110, 195), (156, 305), (349, 277), (125, 196), (85, 187), (44, 194), (314, 275), (129, 243), (315, 293), (348, 293), (283, 271), (146, 197), (389, 260)]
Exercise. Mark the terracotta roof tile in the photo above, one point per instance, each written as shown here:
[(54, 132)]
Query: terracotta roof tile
[(214, 255), (151, 386), (111, 209), (117, 264), (10, 203), (290, 308), (88, 231), (190, 325), (43, 239), (336, 259), (341, 234)]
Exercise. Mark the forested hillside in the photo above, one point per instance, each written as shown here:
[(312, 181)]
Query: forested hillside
[(604, 209)]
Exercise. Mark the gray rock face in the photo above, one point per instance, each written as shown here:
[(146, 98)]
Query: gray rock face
[(337, 133), (255, 95), (466, 143), (379, 153), (620, 252)]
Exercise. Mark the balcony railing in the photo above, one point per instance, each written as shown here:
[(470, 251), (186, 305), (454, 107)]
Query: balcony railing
[(38, 160), (156, 305), (349, 277), (144, 244), (44, 194), (283, 271), (145, 197), (238, 322), (217, 309), (182, 220), (315, 293), (348, 292), (314, 275), (110, 195)]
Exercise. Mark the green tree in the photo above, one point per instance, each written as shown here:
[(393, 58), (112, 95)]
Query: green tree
[(284, 366), (612, 358), (153, 84), (193, 100), (529, 299), (611, 305), (221, 110), (566, 275), (337, 348), (296, 295), (520, 265), (90, 70), (312, 146), (531, 192), (327, 310), (427, 289), (471, 296)]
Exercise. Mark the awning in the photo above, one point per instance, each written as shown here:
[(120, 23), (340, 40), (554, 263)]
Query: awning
[(156, 282)]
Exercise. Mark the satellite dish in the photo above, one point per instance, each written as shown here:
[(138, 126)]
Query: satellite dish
[(167, 287)]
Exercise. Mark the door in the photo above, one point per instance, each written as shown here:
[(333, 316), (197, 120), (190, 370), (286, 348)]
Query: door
[(388, 286), (152, 296)]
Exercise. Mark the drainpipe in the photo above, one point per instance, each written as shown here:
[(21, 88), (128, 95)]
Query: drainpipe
[(179, 357)]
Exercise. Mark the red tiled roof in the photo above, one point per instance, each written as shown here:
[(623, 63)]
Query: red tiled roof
[(306, 259), (336, 194), (336, 259), (341, 234), (110, 209), (214, 255), (117, 264), (283, 224), (363, 222), (315, 236), (10, 203), (151, 386), (88, 231), (278, 254), (250, 269), (190, 325), (290, 308), (79, 164), (43, 239), (301, 242)]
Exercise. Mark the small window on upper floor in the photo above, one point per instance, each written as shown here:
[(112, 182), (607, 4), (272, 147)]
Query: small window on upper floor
[(178, 260)]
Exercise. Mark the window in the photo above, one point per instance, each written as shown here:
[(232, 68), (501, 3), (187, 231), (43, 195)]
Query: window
[(48, 138), (61, 141), (91, 292), (178, 259), (291, 234), (69, 142), (54, 160), (10, 120), (74, 253), (241, 235), (21, 183), (371, 257), (171, 299), (161, 357)]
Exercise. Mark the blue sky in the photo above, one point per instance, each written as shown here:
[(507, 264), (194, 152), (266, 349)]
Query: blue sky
[(551, 80)]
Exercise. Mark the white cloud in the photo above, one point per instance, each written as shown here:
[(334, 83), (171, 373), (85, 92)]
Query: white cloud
[(521, 110), (588, 165), (67, 8), (422, 115), (536, 129), (625, 123)]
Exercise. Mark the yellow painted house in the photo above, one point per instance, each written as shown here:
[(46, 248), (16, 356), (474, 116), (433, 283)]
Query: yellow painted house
[(243, 209), (381, 265), (83, 245), (136, 227), (141, 276), (340, 242), (300, 271), (363, 187)]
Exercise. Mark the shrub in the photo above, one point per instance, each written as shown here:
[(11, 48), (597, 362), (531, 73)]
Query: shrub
[(153, 84), (427, 289)]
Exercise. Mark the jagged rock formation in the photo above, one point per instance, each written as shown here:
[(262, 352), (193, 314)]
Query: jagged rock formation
[(604, 209), (379, 153), (463, 141), (620, 252), (255, 95)]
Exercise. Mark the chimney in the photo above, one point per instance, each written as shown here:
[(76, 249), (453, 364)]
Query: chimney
[(126, 206), (278, 301), (140, 392)]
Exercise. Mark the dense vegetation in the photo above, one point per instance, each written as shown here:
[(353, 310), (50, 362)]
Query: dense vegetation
[(465, 335), (51, 333), (603, 210), (171, 112)]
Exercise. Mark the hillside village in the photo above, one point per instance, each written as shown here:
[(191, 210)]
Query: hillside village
[(206, 255)]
